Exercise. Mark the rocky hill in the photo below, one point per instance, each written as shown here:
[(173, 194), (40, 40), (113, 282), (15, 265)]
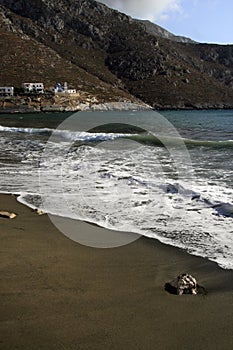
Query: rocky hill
[(109, 55), (156, 30)]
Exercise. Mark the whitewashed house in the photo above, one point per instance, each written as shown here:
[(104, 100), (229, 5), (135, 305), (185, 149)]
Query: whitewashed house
[(33, 87), (6, 91), (70, 91), (58, 88)]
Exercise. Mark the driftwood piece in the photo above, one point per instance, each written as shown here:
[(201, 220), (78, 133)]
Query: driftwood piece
[(7, 214)]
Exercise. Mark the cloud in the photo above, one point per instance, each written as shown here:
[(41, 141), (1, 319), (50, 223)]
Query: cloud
[(145, 9)]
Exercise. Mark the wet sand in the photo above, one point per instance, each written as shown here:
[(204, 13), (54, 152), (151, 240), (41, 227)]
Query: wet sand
[(57, 294)]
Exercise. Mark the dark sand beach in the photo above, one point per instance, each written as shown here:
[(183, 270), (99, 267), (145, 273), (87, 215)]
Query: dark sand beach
[(57, 294)]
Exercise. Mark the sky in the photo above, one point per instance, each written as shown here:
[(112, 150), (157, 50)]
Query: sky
[(209, 21)]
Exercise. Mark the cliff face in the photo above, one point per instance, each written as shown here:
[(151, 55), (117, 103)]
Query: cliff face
[(156, 30), (109, 54)]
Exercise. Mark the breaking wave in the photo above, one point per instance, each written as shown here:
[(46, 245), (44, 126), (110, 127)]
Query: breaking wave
[(148, 139)]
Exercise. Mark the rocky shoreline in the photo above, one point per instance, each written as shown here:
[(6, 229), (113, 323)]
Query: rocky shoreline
[(65, 103), (38, 104)]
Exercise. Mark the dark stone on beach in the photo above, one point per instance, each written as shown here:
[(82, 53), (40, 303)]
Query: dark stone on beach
[(184, 284)]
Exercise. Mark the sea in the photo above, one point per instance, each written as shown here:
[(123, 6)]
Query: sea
[(165, 175)]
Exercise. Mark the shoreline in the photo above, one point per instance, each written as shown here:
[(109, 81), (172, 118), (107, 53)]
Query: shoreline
[(58, 294), (18, 112), (19, 199), (72, 106), (108, 106)]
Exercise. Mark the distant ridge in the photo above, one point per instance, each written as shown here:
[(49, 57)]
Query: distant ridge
[(156, 30)]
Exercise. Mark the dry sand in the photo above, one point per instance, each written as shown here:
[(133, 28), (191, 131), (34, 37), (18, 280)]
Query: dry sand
[(57, 294)]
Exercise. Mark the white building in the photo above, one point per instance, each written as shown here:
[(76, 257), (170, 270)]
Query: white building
[(63, 89), (33, 87), (6, 90), (70, 91)]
